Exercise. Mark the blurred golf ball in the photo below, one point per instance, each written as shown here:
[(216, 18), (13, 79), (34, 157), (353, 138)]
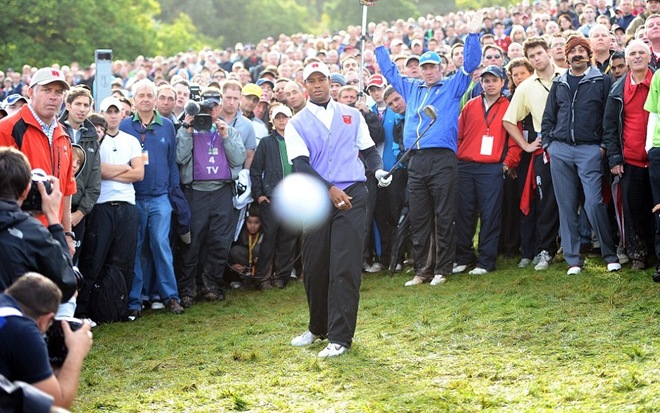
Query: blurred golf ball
[(301, 202)]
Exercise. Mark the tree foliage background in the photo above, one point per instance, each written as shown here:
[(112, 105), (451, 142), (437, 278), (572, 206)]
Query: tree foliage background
[(43, 32)]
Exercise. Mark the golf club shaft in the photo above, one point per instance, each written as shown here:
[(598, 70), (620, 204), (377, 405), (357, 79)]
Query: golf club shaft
[(363, 41), (407, 153)]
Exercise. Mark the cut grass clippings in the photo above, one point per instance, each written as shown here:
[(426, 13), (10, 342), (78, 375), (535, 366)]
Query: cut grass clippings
[(509, 341)]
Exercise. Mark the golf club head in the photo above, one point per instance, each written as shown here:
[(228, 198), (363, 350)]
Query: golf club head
[(431, 112), (368, 2)]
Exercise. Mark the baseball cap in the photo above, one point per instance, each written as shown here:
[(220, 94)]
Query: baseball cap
[(266, 80), (212, 94), (376, 80), (251, 89), (417, 41), (281, 109), (493, 70), (430, 58), (338, 78), (411, 57), (48, 75), (314, 67), (12, 99), (110, 101)]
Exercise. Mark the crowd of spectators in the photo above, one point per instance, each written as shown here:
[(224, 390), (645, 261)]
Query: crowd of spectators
[(153, 171)]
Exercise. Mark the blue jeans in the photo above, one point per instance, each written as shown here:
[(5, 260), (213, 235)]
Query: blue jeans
[(155, 215)]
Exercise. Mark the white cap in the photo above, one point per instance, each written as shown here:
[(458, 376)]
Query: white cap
[(315, 67), (281, 109), (48, 75), (110, 101)]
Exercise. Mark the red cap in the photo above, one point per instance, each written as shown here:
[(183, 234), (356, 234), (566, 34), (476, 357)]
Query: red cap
[(376, 80)]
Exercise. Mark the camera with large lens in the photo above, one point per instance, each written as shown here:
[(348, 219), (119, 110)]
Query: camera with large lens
[(57, 350), (33, 200)]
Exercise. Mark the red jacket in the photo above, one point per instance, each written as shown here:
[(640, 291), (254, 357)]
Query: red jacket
[(55, 160), (474, 124)]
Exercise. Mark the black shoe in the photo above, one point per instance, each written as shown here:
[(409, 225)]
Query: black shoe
[(656, 276), (279, 283), (173, 306), (265, 286), (214, 296), (187, 301), (133, 315)]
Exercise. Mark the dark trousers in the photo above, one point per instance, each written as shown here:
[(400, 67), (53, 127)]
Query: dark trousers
[(79, 230), (110, 238), (432, 186), (654, 175), (213, 224), (480, 196), (389, 201), (528, 239), (546, 210), (332, 263), (637, 205), (509, 243), (277, 249)]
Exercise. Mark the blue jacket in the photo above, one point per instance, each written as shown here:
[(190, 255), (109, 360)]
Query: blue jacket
[(159, 139), (445, 96), (388, 121)]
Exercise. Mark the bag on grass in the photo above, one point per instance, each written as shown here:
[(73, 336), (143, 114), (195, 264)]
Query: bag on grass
[(109, 298)]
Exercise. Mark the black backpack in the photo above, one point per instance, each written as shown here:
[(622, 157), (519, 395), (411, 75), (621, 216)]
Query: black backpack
[(109, 297)]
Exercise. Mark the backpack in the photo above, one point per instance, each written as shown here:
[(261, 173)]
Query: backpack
[(109, 297)]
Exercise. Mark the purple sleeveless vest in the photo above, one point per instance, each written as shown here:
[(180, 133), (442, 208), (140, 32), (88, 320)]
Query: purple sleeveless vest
[(209, 159), (333, 153)]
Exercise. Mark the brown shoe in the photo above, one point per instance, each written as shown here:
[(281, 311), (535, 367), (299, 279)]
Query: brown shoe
[(187, 301), (173, 306), (638, 265)]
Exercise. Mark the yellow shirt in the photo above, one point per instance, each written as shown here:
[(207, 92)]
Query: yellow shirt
[(530, 97)]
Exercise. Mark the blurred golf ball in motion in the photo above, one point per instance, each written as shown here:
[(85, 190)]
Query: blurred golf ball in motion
[(301, 201)]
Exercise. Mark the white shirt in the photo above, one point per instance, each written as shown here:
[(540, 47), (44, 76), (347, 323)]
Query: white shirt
[(118, 150)]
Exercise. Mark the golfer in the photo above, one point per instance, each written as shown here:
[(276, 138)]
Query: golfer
[(323, 140)]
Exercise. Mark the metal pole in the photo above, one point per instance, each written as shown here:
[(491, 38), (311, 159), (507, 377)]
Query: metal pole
[(363, 41)]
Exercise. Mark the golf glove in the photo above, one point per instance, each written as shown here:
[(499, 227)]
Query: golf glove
[(383, 179)]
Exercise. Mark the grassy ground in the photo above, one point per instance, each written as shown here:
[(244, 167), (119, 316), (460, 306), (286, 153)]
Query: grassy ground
[(513, 340)]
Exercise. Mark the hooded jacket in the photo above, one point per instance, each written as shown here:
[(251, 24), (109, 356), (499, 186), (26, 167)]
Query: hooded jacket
[(88, 179), (26, 245)]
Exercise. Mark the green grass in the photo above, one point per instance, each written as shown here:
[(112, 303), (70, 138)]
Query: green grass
[(513, 341)]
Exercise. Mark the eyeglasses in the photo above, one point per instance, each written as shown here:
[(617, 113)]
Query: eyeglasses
[(492, 56)]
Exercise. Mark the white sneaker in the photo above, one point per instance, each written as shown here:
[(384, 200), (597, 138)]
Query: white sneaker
[(398, 268), (438, 279), (157, 305), (415, 281), (525, 262), (574, 270), (458, 269), (333, 350), (89, 321), (613, 266), (376, 267), (544, 261), (305, 339), (478, 271)]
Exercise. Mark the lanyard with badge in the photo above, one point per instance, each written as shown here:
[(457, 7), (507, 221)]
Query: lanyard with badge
[(143, 135), (487, 140)]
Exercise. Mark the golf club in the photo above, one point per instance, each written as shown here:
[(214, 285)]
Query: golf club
[(431, 113)]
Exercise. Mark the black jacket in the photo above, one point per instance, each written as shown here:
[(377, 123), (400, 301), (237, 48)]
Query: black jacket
[(613, 123), (266, 169), (576, 119), (26, 245), (88, 179)]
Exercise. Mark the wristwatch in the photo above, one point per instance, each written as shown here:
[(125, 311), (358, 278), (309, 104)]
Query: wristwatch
[(70, 234)]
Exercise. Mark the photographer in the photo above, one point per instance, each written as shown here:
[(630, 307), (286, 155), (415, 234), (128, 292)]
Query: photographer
[(25, 244), (209, 153), (27, 309)]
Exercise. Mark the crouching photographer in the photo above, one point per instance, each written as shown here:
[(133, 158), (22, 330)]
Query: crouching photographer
[(27, 310), (25, 244)]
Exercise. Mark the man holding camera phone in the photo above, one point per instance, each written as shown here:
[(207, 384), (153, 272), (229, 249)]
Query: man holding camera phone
[(27, 310), (34, 130)]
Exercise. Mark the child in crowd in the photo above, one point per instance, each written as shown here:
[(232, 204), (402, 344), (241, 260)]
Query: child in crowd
[(244, 252)]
